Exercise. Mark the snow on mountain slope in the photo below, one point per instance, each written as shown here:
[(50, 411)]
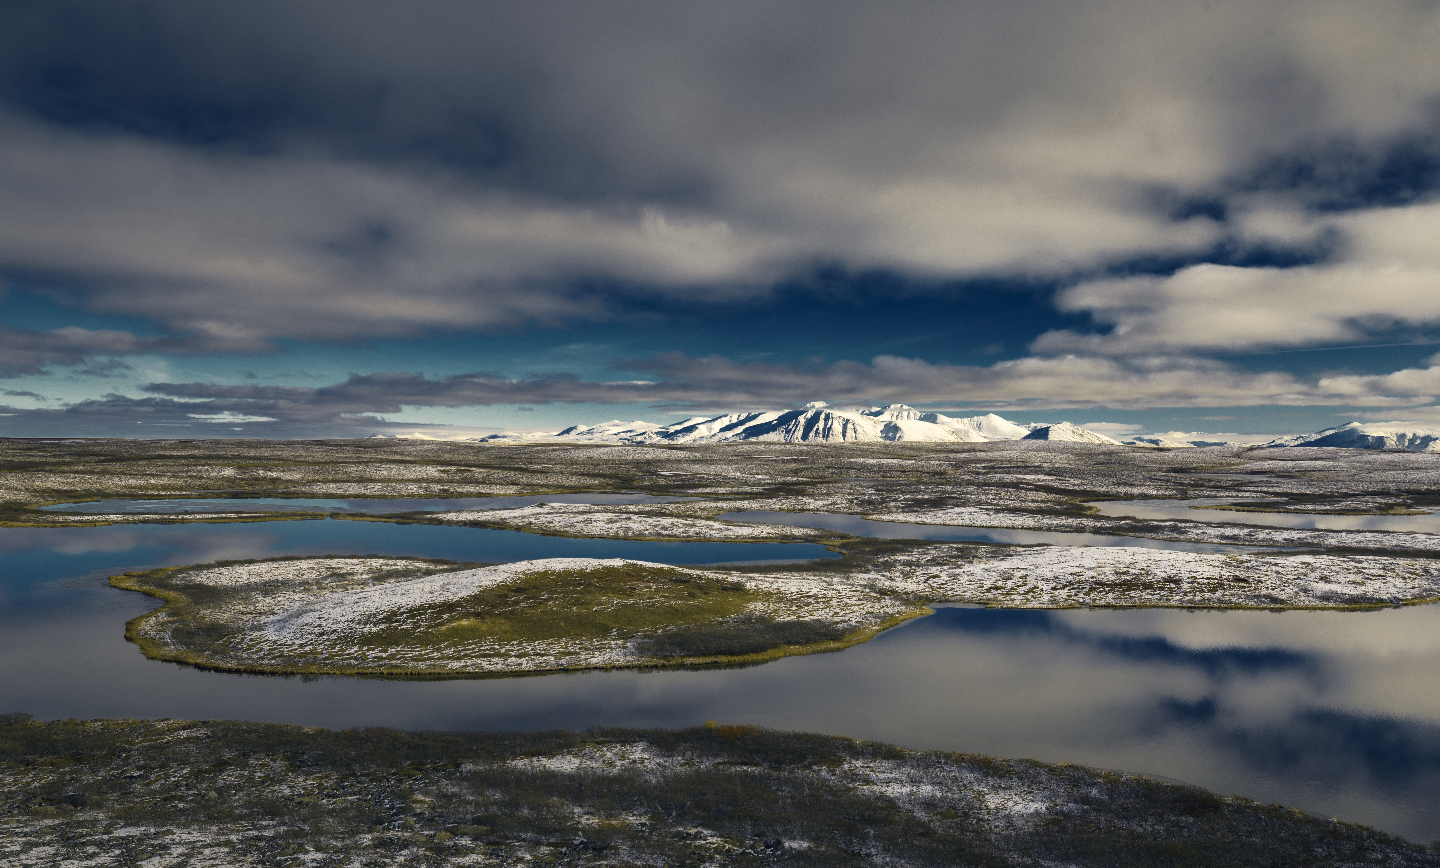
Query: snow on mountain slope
[(605, 431), (818, 423), (891, 412), (815, 423), (1065, 431), (987, 427), (719, 429), (816, 426), (902, 422), (1411, 436), (973, 429)]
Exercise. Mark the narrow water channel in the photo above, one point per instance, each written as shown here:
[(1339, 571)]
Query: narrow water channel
[(47, 553)]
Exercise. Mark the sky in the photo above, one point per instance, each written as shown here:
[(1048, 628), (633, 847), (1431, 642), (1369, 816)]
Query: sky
[(337, 219)]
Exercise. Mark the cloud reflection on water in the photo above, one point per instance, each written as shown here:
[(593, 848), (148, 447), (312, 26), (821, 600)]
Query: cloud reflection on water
[(1141, 649)]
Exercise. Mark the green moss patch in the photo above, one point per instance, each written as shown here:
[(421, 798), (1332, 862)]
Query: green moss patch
[(622, 600)]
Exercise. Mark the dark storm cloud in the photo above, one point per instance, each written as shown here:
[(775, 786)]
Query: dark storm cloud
[(340, 170)]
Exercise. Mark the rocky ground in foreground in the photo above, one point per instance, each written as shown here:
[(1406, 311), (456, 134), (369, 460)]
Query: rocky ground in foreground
[(172, 793)]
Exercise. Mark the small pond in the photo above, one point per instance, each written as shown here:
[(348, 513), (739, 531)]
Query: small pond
[(1185, 510)]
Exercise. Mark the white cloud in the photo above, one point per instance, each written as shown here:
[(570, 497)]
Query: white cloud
[(229, 418), (1389, 276), (1419, 384), (1112, 429)]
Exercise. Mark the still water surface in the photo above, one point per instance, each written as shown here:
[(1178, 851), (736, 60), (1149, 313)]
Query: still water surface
[(1337, 712), (1185, 511)]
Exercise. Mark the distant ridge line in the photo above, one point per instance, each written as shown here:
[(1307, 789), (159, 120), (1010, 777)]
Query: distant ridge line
[(898, 423), (819, 423)]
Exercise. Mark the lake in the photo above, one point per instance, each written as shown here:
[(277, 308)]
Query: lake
[(1336, 712)]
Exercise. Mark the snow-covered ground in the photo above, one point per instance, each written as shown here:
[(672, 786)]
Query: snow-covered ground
[(586, 520), (1227, 534), (1062, 576)]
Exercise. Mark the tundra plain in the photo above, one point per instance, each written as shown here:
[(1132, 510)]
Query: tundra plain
[(350, 614)]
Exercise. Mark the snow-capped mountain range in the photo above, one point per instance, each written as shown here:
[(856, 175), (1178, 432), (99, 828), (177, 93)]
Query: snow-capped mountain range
[(1410, 436), (894, 423), (819, 423)]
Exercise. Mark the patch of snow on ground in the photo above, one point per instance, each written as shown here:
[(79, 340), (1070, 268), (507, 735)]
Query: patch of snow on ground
[(318, 622), (606, 758), (1060, 576), (1182, 531), (296, 571), (1008, 802), (586, 520)]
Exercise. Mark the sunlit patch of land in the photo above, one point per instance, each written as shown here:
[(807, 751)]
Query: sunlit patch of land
[(399, 617)]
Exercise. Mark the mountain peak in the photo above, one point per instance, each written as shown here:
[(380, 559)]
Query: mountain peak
[(1410, 436), (1069, 433), (892, 412), (816, 422)]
